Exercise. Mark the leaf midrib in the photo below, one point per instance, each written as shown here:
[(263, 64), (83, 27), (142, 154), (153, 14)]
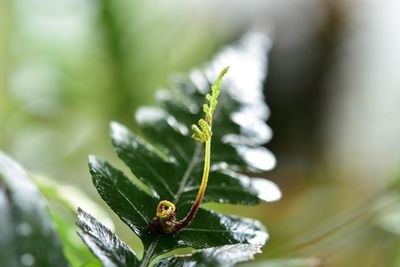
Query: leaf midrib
[(133, 206), (188, 172)]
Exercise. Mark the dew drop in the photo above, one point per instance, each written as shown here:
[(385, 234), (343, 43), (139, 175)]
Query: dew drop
[(27, 259)]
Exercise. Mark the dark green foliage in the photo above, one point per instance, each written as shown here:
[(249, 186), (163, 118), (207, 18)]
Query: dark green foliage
[(169, 162), (103, 243), (27, 235)]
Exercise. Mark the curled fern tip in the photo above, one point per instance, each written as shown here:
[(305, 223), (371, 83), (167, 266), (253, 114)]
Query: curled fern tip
[(165, 221)]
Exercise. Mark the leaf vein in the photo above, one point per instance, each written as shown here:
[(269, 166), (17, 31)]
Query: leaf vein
[(133, 206), (159, 178)]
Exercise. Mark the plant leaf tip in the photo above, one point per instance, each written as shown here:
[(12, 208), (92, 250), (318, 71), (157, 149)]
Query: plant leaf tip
[(220, 76), (224, 71), (203, 132), (92, 159)]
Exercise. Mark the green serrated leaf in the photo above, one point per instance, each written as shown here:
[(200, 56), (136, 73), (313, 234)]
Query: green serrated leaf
[(26, 230), (170, 163), (225, 256), (132, 205), (105, 245), (136, 209)]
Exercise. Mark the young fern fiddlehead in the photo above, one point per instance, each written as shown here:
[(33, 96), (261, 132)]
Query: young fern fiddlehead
[(165, 221)]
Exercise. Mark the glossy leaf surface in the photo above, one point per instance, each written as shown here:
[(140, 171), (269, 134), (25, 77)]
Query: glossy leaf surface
[(27, 235), (164, 157)]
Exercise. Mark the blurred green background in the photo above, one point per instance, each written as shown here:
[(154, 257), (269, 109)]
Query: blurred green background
[(69, 67)]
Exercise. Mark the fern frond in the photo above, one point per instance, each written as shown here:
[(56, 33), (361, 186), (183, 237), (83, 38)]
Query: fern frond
[(203, 132)]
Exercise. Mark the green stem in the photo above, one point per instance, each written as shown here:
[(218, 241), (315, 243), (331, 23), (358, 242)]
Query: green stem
[(200, 195), (149, 253)]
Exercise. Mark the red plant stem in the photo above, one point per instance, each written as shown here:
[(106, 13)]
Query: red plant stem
[(200, 195)]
